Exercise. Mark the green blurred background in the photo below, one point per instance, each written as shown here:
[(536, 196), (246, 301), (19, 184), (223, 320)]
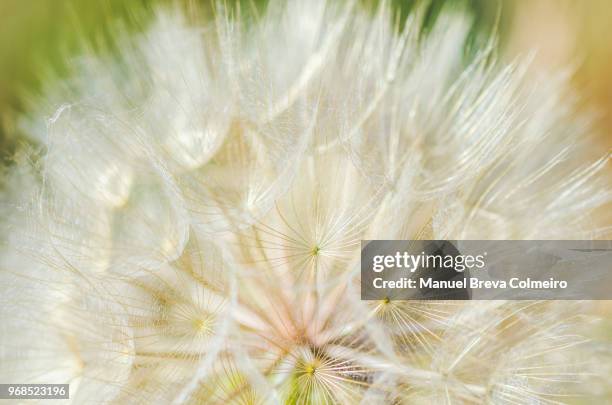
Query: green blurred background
[(40, 36)]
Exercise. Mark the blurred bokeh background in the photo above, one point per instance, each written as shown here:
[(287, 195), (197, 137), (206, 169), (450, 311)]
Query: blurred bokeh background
[(40, 36)]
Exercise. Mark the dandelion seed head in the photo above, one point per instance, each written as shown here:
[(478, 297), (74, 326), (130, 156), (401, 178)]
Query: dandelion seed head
[(190, 230)]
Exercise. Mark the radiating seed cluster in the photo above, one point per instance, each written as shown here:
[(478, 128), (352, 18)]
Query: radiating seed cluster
[(190, 232)]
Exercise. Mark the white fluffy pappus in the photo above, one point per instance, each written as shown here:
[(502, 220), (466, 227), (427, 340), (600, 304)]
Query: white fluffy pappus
[(191, 231)]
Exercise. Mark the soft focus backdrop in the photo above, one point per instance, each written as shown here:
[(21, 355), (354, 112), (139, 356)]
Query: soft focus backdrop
[(40, 36)]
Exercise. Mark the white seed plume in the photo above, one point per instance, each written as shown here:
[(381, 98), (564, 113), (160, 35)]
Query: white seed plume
[(191, 231)]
